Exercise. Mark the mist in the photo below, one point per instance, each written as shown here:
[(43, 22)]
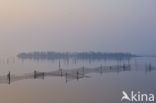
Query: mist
[(84, 25)]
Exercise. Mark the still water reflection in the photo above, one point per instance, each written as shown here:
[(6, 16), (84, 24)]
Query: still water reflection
[(67, 81)]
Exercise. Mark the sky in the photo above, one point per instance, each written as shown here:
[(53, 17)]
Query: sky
[(77, 25)]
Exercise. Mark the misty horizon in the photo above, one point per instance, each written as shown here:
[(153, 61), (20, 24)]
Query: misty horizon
[(104, 25), (76, 51)]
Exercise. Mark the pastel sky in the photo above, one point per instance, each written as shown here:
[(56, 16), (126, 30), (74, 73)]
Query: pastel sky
[(78, 25)]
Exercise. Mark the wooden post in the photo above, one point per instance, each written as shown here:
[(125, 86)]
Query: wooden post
[(59, 64), (35, 74), (9, 78), (77, 75)]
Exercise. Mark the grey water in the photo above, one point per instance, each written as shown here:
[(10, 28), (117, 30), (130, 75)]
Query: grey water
[(74, 81), (76, 26)]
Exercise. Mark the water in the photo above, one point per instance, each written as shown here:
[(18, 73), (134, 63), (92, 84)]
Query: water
[(76, 26), (97, 81)]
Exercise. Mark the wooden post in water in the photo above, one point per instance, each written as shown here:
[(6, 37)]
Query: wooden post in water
[(77, 75), (59, 65), (9, 78)]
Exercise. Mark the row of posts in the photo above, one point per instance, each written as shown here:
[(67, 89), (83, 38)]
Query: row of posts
[(66, 74)]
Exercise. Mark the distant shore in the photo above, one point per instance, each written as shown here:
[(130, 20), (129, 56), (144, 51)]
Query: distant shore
[(75, 55)]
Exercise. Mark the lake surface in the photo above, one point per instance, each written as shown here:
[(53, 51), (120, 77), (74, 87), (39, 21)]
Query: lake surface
[(76, 26), (74, 81)]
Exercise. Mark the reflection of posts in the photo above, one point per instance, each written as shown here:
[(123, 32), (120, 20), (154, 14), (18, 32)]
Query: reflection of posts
[(9, 78)]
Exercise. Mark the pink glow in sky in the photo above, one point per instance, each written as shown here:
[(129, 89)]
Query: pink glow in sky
[(78, 25)]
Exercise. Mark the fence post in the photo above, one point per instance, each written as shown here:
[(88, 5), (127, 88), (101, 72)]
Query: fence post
[(35, 74), (9, 78), (77, 75)]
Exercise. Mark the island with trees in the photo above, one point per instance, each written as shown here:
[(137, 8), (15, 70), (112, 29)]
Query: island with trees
[(75, 55)]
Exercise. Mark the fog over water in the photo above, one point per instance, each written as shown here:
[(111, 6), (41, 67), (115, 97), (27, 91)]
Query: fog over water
[(86, 29), (84, 25)]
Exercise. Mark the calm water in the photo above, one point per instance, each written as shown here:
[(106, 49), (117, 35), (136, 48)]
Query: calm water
[(97, 81), (76, 25)]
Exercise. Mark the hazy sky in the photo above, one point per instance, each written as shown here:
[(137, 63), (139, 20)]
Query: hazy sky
[(78, 25)]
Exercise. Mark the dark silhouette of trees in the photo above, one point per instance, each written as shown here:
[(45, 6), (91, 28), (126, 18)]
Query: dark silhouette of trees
[(75, 55)]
